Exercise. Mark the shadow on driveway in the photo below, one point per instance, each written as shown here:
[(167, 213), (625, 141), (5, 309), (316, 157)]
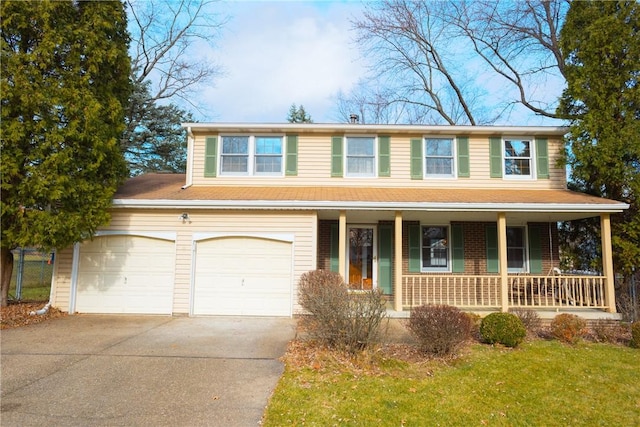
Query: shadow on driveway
[(87, 370)]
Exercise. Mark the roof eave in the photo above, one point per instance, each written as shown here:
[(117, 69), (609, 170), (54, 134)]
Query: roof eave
[(352, 205), (373, 128)]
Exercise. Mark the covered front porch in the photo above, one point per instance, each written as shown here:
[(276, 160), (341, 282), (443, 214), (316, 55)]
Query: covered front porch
[(478, 273)]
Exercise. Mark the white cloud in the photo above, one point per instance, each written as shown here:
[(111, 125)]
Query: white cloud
[(278, 53)]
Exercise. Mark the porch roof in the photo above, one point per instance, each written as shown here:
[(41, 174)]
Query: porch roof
[(167, 191)]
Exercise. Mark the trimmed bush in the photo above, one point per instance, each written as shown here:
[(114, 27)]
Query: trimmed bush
[(439, 329), (340, 318), (502, 328), (568, 328), (635, 334)]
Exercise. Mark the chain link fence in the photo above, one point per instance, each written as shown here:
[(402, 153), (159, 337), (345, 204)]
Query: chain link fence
[(31, 277)]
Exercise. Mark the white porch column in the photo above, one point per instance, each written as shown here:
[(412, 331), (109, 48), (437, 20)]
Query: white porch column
[(607, 262), (397, 263), (502, 261), (342, 246)]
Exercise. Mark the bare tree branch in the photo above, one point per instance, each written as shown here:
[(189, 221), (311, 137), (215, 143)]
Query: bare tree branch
[(164, 35)]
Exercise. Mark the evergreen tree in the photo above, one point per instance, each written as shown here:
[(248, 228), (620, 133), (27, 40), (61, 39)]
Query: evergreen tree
[(600, 43), (154, 140), (64, 80), (298, 115)]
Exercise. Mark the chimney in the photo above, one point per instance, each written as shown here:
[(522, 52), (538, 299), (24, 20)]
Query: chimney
[(354, 119)]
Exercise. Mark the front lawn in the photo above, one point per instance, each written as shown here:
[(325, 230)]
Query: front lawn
[(539, 383)]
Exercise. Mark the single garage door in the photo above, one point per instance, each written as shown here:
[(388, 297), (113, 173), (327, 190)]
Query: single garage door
[(242, 276), (126, 274)]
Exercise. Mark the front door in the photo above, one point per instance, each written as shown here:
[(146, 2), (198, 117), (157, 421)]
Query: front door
[(362, 257)]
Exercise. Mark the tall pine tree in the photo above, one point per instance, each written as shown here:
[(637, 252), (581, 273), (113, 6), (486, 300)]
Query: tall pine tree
[(64, 81), (600, 43)]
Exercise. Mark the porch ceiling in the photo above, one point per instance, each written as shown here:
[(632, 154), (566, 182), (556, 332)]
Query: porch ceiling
[(165, 191)]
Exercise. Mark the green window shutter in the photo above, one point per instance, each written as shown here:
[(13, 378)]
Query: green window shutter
[(463, 156), (416, 159), (292, 155), (210, 156), (415, 265), (384, 156), (457, 248), (491, 237), (334, 244), (495, 155), (385, 258), (336, 156), (535, 250), (542, 158)]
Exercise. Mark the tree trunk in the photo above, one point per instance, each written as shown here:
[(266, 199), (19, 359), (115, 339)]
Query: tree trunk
[(6, 268)]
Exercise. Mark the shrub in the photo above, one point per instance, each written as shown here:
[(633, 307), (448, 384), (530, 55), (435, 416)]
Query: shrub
[(568, 328), (439, 329), (635, 334), (502, 328), (529, 318), (475, 320), (340, 318), (608, 331)]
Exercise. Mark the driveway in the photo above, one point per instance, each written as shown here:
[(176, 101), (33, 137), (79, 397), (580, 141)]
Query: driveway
[(132, 370)]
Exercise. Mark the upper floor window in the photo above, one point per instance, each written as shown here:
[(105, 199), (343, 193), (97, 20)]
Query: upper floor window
[(435, 248), (360, 156), (518, 158), (439, 157), (251, 155)]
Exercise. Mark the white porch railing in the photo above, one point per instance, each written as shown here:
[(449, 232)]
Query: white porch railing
[(485, 291)]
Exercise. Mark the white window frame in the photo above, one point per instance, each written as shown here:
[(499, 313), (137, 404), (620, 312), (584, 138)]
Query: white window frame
[(346, 156), (251, 156), (454, 157), (447, 268), (532, 157), (525, 252)]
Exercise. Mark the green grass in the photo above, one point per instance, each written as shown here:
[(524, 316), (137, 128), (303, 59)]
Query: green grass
[(36, 277), (540, 383)]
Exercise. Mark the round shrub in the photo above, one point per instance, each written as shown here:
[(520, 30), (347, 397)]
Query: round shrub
[(568, 328), (439, 329), (502, 328), (635, 334)]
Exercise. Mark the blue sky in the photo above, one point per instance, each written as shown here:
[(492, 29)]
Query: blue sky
[(275, 53)]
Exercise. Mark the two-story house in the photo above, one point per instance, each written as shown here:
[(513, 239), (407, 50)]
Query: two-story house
[(458, 215)]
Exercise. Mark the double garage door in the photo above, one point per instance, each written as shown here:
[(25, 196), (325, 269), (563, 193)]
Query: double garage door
[(230, 276)]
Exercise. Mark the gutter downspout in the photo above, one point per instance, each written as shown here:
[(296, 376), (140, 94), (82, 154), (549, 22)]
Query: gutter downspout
[(190, 142)]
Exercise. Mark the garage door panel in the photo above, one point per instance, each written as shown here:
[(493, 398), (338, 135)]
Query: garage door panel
[(236, 276), (126, 274)]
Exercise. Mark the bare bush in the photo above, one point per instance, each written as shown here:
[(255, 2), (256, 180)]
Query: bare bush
[(530, 319), (607, 331), (340, 318), (439, 329)]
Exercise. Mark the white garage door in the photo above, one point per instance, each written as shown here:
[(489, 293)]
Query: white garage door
[(126, 274), (242, 276)]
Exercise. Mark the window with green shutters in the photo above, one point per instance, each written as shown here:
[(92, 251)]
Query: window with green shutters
[(210, 156), (535, 249), (413, 236)]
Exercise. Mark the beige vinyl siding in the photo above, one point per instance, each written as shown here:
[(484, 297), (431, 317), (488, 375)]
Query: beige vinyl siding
[(61, 281), (314, 168), (301, 224)]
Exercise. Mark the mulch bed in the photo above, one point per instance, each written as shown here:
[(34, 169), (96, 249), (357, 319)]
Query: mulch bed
[(17, 314)]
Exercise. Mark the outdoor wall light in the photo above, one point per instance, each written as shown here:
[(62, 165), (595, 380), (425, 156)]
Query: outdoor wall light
[(185, 217)]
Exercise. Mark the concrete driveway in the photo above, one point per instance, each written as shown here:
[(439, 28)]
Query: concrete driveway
[(132, 371)]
